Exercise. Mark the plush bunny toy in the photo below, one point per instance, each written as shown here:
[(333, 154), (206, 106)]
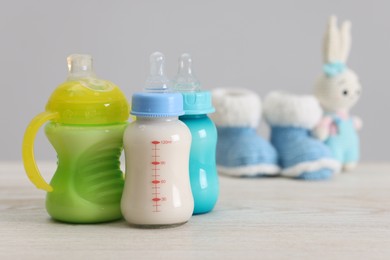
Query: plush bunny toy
[(337, 90)]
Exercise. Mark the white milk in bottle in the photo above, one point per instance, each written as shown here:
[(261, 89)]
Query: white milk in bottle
[(157, 148)]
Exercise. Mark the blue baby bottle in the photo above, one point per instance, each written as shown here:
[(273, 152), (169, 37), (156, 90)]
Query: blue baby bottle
[(197, 104)]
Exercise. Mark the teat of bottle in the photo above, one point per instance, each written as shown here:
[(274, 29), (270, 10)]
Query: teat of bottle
[(185, 80), (157, 80), (80, 66)]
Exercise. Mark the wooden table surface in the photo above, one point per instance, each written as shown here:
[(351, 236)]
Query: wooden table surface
[(277, 218)]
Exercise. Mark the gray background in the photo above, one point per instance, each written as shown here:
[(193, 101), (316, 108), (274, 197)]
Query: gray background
[(262, 45)]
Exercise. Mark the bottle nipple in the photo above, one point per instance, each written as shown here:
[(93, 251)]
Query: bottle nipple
[(185, 80), (157, 80), (80, 66)]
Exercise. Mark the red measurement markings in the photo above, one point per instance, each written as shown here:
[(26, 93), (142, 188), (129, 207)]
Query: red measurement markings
[(155, 181)]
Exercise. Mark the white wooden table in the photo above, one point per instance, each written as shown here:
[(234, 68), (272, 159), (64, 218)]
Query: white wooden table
[(346, 218)]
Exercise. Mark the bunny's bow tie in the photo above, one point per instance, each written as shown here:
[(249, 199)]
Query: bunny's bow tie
[(334, 68)]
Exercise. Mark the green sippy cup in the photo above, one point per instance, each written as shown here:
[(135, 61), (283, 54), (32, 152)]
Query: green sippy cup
[(87, 117)]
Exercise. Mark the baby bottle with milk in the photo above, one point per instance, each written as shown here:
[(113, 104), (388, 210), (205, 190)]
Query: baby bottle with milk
[(157, 146), (197, 104), (86, 120)]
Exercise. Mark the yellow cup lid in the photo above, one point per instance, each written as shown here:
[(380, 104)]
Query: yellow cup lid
[(85, 99)]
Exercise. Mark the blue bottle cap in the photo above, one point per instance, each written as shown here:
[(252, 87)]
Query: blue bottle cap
[(157, 104), (197, 103)]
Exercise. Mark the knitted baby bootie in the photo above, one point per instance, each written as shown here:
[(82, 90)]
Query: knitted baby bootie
[(291, 118), (240, 150)]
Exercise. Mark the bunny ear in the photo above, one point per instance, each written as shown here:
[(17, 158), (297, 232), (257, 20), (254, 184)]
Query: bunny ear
[(331, 45), (345, 44)]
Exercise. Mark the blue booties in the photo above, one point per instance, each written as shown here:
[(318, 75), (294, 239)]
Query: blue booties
[(301, 156), (240, 150)]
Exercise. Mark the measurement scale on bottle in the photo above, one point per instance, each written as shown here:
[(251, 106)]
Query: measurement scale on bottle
[(157, 197)]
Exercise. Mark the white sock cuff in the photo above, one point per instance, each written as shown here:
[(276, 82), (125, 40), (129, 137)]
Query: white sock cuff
[(236, 107), (284, 109)]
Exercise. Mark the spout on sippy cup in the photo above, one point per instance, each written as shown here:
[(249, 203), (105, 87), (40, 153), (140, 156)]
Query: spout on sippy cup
[(157, 80), (80, 66), (185, 80)]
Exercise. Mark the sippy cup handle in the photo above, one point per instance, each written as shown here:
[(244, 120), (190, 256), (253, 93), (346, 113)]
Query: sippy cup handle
[(28, 150)]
